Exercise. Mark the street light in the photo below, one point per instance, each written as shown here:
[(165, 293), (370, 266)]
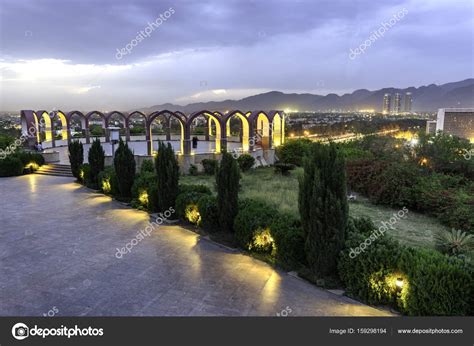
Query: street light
[(114, 137)]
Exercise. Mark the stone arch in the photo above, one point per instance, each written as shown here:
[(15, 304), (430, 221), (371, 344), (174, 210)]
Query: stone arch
[(104, 123), (245, 135), (124, 118), (216, 117), (84, 124), (45, 123), (61, 116), (167, 115), (261, 124), (131, 125)]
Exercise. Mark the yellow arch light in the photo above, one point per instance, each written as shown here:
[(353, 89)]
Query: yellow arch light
[(276, 133), (245, 130), (218, 131), (62, 118)]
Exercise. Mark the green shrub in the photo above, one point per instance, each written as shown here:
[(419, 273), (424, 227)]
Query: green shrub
[(284, 168), (433, 284), (124, 164), (227, 183), (294, 150), (96, 158), (183, 188), (108, 181), (253, 218), (288, 236), (454, 242), (11, 166), (245, 162), (437, 285), (369, 275), (187, 205), (76, 157), (85, 173), (28, 158), (142, 183), (147, 166), (322, 203), (193, 170), (153, 197), (207, 206), (5, 141), (167, 171), (210, 166)]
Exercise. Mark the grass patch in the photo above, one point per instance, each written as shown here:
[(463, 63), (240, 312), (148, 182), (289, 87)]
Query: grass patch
[(282, 191)]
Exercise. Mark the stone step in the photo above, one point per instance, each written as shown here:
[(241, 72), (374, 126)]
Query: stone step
[(55, 170)]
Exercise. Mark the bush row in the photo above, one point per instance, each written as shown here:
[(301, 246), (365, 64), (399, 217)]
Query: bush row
[(417, 282)]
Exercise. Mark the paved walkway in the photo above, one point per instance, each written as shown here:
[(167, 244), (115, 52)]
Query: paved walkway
[(57, 255)]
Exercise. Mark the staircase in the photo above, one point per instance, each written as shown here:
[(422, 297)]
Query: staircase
[(56, 170)]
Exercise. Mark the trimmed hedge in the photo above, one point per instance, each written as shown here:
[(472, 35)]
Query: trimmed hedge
[(289, 240), (210, 166), (187, 200), (207, 207), (108, 182), (11, 166), (245, 162), (252, 219), (434, 284)]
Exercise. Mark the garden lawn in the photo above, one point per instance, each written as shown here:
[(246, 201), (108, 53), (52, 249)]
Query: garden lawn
[(282, 191)]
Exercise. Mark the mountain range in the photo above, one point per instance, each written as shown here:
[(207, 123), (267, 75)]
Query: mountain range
[(425, 99)]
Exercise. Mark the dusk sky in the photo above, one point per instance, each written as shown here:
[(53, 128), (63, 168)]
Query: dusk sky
[(63, 53)]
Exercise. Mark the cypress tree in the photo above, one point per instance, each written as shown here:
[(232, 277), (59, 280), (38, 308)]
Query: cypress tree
[(96, 159), (167, 172), (227, 181), (76, 157), (323, 208), (124, 164)]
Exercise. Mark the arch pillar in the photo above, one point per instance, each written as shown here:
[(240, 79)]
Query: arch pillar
[(127, 130), (107, 132), (209, 129), (168, 128), (187, 140), (148, 137), (87, 131)]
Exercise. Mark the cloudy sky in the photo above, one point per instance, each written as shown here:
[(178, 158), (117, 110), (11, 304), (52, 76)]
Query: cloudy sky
[(68, 54)]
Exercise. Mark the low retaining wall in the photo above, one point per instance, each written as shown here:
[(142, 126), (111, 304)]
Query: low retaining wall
[(262, 157)]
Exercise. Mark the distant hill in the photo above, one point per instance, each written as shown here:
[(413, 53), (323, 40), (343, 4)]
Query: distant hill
[(425, 98)]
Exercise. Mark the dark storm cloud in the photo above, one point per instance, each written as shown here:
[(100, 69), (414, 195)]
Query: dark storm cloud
[(91, 31), (62, 53)]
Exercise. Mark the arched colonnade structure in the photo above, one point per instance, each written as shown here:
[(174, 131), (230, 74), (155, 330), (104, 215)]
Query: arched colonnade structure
[(257, 128)]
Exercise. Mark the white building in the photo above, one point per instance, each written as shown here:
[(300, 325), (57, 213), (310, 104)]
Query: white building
[(456, 121)]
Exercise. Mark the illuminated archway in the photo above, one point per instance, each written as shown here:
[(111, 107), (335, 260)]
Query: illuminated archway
[(215, 120), (277, 130), (167, 116), (61, 117), (245, 128), (45, 126)]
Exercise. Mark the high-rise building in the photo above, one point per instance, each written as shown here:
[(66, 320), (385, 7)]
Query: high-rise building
[(408, 102), (457, 122), (397, 104), (387, 103)]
